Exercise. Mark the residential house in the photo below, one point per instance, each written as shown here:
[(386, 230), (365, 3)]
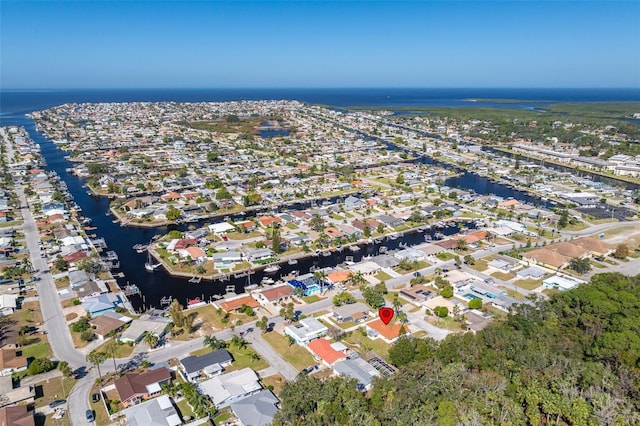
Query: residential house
[(390, 221), (273, 295), (194, 368), (9, 396), (354, 312), (155, 412), (306, 330), (133, 388), (17, 416), (594, 247), (387, 332), (547, 258), (358, 369), (104, 324), (229, 388), (145, 324), (257, 409), (8, 304), (417, 293), (328, 353), (561, 283), (100, 304), (11, 362), (235, 303)]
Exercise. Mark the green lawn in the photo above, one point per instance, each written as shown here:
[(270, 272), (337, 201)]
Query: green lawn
[(391, 295), (529, 283), (313, 298), (38, 349), (53, 389), (123, 350), (479, 265), (242, 359), (363, 344), (383, 276), (503, 276), (298, 356), (185, 409)]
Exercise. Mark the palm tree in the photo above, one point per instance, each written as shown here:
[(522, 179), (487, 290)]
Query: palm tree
[(214, 343), (150, 339), (110, 348), (96, 358), (238, 342), (357, 279)]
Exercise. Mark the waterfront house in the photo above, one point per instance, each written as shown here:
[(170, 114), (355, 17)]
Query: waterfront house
[(145, 324), (226, 260), (77, 278), (231, 387), (390, 221), (274, 295), (221, 228), (89, 289), (133, 388), (257, 255), (235, 303), (306, 330), (194, 368)]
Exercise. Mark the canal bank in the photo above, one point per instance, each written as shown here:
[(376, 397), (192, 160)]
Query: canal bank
[(158, 285)]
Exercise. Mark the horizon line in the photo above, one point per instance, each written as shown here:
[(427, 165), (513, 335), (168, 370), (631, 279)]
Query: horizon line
[(18, 89)]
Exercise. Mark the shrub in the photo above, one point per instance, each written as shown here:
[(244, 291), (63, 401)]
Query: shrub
[(40, 365), (81, 325)]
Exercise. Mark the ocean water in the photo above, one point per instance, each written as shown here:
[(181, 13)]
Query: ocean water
[(20, 102)]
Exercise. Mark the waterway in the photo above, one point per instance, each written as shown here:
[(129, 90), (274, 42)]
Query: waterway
[(154, 286)]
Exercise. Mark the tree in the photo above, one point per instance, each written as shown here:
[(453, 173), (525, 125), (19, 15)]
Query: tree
[(580, 265), (40, 365), (96, 358), (238, 342), (65, 369), (316, 223), (447, 291), (462, 244), (214, 343), (176, 313), (373, 296), (403, 351), (343, 298), (111, 348), (441, 311), (172, 213), (263, 323), (287, 313), (61, 264), (475, 304), (400, 179), (151, 339), (276, 241), (622, 251)]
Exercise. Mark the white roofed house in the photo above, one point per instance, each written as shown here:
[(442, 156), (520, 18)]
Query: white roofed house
[(231, 387), (221, 228), (306, 330)]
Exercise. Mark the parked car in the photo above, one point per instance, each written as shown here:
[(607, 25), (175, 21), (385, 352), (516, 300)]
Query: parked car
[(95, 397), (90, 417), (57, 403)]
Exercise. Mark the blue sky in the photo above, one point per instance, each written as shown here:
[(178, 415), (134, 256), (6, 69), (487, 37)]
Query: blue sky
[(319, 44)]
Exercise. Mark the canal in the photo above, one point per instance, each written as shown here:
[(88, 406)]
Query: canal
[(154, 286)]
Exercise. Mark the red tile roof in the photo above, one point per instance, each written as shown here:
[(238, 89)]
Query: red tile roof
[(322, 348)]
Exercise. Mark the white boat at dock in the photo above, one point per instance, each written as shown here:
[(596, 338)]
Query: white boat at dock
[(265, 280), (292, 262), (272, 268), (354, 249), (195, 280)]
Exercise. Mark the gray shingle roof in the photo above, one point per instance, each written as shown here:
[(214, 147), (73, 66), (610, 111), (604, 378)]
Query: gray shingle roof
[(196, 363)]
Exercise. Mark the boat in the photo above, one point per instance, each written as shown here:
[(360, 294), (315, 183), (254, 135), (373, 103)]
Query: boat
[(193, 301), (272, 268), (354, 249), (339, 249), (316, 253), (382, 249), (265, 280), (392, 236), (240, 275), (149, 265), (326, 253), (195, 280), (292, 261)]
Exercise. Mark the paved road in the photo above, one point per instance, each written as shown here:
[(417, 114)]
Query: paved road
[(53, 318)]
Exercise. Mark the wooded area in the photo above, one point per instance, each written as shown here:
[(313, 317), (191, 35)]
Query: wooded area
[(572, 360)]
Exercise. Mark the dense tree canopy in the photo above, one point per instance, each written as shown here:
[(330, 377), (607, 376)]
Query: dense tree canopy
[(572, 360)]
